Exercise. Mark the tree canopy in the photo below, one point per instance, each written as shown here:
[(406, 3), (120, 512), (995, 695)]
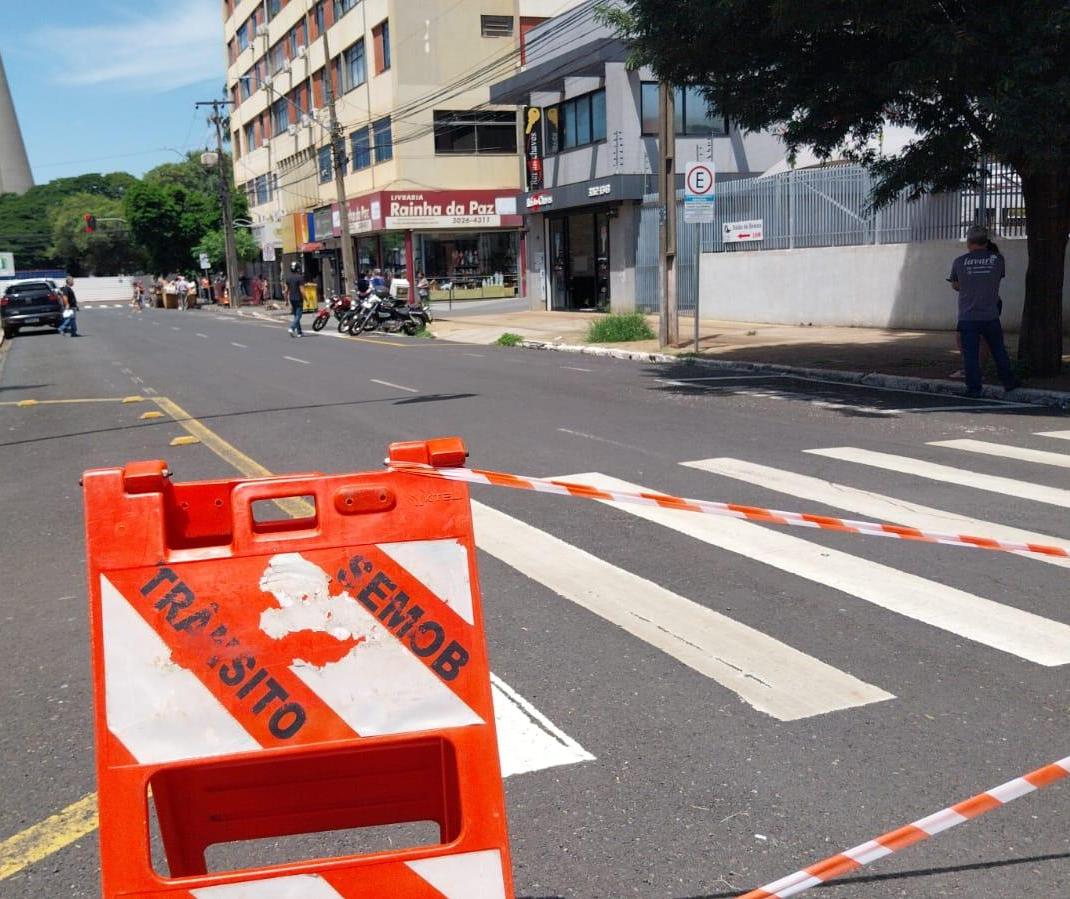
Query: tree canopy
[(973, 80)]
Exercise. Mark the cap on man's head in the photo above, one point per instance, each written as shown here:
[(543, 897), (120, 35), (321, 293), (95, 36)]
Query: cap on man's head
[(977, 234)]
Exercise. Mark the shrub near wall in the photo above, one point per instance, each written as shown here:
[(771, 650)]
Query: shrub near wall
[(619, 328)]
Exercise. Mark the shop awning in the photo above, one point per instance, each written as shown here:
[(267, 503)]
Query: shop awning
[(311, 247)]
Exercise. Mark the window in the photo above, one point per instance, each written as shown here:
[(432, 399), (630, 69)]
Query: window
[(250, 137), (294, 42), (475, 132), (341, 7), (354, 71), (243, 36), (273, 7), (496, 26), (277, 57), (381, 36), (325, 168), (360, 143), (263, 190), (693, 114), (245, 85), (384, 140), (576, 122), (280, 116), (319, 17)]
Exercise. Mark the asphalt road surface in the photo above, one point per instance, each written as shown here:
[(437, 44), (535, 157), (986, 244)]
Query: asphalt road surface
[(698, 706)]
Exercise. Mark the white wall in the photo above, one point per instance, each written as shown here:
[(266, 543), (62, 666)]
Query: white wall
[(892, 286)]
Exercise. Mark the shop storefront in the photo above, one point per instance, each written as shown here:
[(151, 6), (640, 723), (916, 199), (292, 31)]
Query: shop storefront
[(582, 244), (467, 242)]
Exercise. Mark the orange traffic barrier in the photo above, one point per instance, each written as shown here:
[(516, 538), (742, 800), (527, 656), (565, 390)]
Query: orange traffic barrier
[(264, 677)]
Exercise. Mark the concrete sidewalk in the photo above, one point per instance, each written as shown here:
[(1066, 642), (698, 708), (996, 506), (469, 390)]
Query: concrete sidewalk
[(927, 355)]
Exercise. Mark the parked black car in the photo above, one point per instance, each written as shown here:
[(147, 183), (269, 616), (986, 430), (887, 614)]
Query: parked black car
[(30, 304)]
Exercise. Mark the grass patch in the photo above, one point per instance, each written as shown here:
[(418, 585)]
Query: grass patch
[(508, 339), (425, 333), (619, 328)]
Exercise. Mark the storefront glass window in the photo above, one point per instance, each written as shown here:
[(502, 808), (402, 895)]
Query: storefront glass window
[(483, 264), (576, 122), (598, 116)]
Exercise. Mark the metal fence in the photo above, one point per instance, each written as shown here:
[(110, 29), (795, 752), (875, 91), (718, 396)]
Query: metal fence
[(826, 207)]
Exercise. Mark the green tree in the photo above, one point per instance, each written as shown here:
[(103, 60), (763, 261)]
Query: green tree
[(26, 221), (213, 243), (972, 79), (174, 206), (109, 250)]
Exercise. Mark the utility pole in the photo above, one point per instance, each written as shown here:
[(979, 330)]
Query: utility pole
[(338, 159), (668, 326), (224, 193)]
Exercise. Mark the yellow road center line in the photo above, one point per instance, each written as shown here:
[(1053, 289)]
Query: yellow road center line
[(41, 840), (246, 465)]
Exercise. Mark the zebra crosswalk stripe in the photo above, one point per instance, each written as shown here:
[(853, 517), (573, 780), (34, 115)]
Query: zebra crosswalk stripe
[(1003, 451), (769, 675), (873, 505), (984, 621), (1052, 496)]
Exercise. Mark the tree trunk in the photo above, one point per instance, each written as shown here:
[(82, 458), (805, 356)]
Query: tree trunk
[(1047, 205)]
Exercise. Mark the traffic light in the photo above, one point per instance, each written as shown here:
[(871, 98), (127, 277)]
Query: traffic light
[(90, 223)]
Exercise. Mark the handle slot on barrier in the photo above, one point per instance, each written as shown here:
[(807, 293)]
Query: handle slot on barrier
[(273, 516)]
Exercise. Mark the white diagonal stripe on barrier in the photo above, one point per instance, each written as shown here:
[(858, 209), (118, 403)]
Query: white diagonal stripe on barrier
[(465, 875), (353, 687), (441, 566), (984, 621), (159, 710), (296, 886), (767, 674)]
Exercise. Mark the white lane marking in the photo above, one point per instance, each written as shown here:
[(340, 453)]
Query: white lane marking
[(295, 359), (769, 675), (978, 406), (527, 739), (175, 328), (1058, 435), (682, 382), (984, 621), (395, 386), (240, 346), (1002, 451), (150, 391), (873, 505), (1052, 496), (160, 710), (577, 368), (199, 334), (474, 355), (598, 439)]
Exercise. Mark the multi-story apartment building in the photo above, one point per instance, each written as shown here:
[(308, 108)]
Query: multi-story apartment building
[(431, 169)]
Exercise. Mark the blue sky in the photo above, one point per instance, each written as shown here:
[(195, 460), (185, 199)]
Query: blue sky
[(109, 85)]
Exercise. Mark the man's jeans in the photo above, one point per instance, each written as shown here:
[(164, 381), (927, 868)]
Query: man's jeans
[(70, 325), (295, 326), (992, 332)]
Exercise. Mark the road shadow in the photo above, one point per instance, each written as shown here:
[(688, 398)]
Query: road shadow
[(846, 399), (909, 875), (222, 416), (23, 387)]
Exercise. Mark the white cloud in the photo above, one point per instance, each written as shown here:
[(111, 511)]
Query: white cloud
[(170, 45)]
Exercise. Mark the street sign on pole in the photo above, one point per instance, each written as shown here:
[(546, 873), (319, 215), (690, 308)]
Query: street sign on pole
[(206, 263), (268, 252), (740, 232), (700, 182), (7, 265)]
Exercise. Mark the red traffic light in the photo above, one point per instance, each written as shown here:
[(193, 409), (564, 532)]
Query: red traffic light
[(90, 223)]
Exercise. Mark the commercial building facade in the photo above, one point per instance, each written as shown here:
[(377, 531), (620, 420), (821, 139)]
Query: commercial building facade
[(591, 157), (430, 167)]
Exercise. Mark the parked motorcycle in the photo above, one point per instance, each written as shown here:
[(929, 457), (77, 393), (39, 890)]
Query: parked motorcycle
[(337, 306), (365, 299), (391, 314)]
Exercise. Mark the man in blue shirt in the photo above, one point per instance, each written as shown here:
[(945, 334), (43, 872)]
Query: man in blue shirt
[(976, 276)]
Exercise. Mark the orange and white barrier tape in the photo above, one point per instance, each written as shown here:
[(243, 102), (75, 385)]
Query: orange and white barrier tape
[(896, 840), (731, 510)]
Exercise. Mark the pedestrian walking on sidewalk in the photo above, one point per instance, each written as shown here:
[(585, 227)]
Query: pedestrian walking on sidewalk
[(70, 308), (976, 275), (294, 282)]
